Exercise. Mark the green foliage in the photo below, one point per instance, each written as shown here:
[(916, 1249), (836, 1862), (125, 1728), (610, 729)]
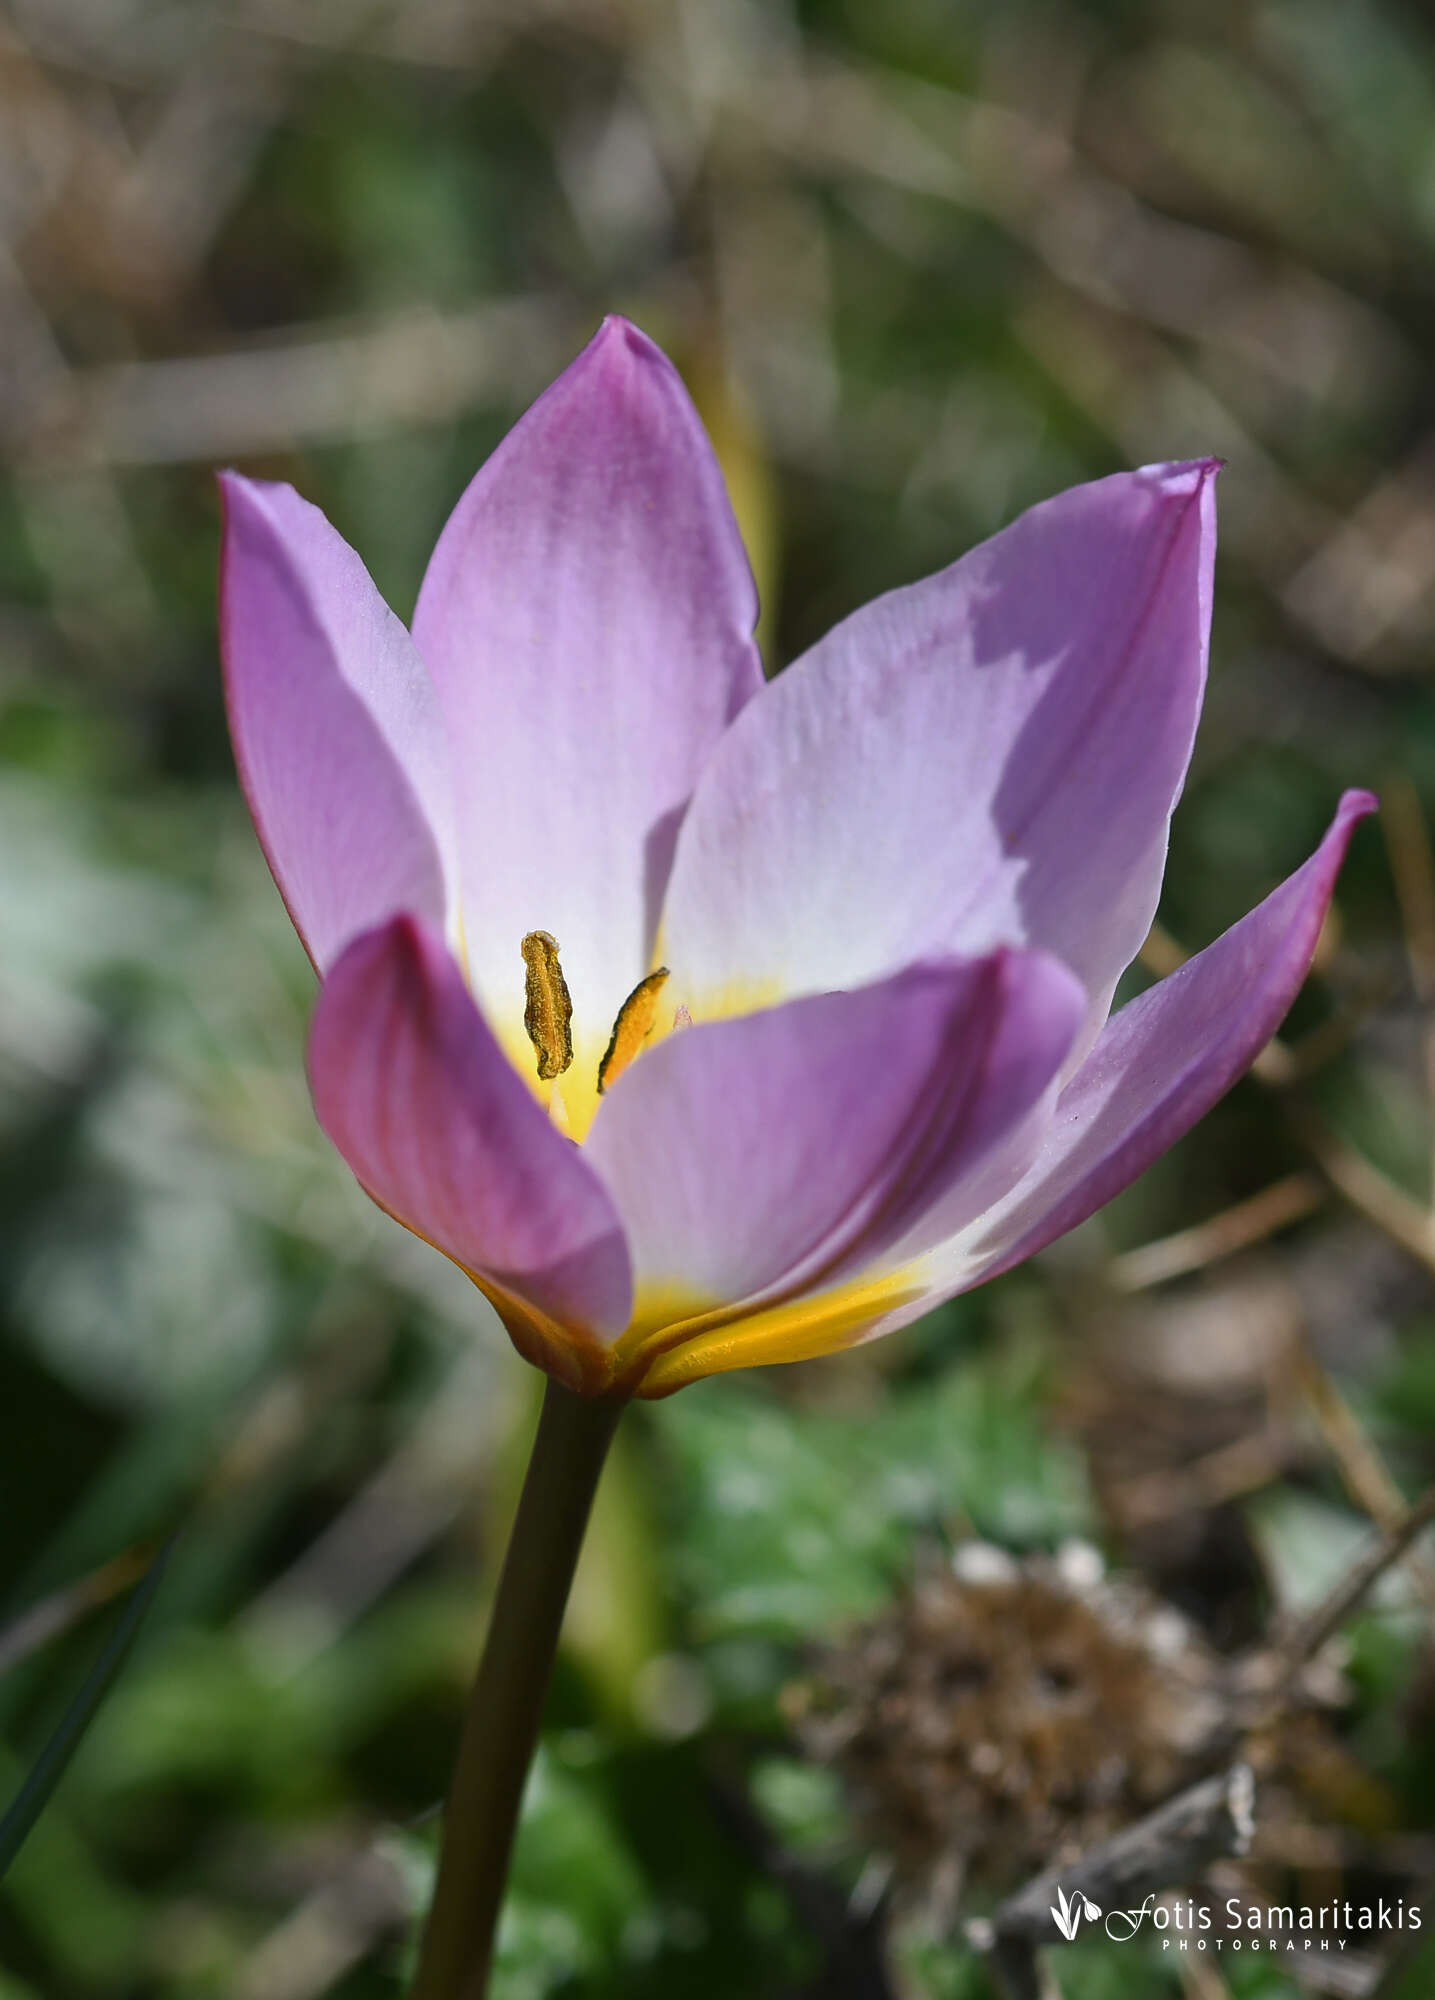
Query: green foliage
[(54, 1760), (798, 1520)]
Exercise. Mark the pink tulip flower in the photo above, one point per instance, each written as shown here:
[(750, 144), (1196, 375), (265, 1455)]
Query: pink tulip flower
[(706, 1022)]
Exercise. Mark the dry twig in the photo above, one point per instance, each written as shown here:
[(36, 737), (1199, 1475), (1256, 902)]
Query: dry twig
[(1362, 1469), (1236, 1228), (1321, 1624), (1403, 1219), (1210, 1820)]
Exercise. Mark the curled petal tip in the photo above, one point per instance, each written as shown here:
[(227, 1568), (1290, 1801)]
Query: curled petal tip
[(616, 326), (274, 499), (1182, 478), (1355, 805), (240, 499), (617, 338), (236, 490)]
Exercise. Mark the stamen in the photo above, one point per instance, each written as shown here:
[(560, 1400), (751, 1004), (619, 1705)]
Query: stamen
[(547, 1011), (632, 1027)]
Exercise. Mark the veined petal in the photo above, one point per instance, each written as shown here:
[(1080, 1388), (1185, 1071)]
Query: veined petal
[(790, 1148), (1161, 1063), (412, 1088), (335, 724), (989, 756), (588, 618)]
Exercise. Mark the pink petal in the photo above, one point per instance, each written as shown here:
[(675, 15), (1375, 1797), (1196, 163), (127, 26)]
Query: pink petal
[(588, 618), (791, 1146), (334, 722), (1161, 1063), (1164, 1060), (988, 756), (412, 1088)]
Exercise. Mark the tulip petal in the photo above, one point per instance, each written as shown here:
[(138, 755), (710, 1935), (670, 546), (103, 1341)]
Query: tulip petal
[(412, 1088), (1162, 1062), (588, 618), (790, 1147), (989, 756), (1160, 1065), (335, 724)]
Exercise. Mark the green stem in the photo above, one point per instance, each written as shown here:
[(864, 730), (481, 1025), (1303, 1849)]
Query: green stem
[(500, 1731)]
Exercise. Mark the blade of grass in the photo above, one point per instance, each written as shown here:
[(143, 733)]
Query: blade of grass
[(50, 1766), (56, 1614)]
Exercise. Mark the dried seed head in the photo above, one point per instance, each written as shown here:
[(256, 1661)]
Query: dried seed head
[(1004, 1711)]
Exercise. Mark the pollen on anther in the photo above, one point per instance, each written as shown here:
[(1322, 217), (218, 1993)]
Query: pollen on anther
[(548, 1010), (632, 1027)]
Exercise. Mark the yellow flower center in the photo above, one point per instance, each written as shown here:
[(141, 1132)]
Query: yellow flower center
[(674, 1336)]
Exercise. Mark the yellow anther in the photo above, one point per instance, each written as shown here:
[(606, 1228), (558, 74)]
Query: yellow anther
[(547, 1011), (632, 1027)]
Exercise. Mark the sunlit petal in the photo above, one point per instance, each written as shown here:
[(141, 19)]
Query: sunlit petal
[(989, 756), (588, 618), (334, 722)]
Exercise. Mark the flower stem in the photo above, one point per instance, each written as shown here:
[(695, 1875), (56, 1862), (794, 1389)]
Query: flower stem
[(500, 1730)]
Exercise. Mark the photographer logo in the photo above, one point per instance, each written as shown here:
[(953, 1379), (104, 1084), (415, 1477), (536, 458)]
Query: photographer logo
[(1067, 1917), (1185, 1925)]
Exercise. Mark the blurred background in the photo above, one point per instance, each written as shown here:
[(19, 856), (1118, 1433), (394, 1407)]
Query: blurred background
[(922, 264)]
